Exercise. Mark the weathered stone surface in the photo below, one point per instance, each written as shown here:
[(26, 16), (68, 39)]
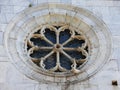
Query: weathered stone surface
[(86, 24), (18, 9), (41, 1), (4, 86), (7, 9), (4, 59), (3, 19), (1, 38), (4, 2), (108, 10), (3, 51), (20, 2), (23, 86), (9, 16), (3, 69), (3, 27)]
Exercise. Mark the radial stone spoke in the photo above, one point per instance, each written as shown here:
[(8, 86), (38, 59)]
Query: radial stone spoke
[(67, 41), (57, 63), (68, 56), (47, 40), (49, 54), (57, 37), (69, 49), (44, 48), (58, 57), (73, 49)]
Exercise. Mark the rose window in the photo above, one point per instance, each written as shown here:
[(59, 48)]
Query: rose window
[(57, 48), (57, 43)]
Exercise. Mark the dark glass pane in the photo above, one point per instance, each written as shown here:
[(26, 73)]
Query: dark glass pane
[(76, 54), (50, 62), (50, 35), (75, 43), (65, 62), (39, 42), (86, 48), (64, 35), (39, 53)]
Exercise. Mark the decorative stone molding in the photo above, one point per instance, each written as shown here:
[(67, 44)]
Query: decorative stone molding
[(39, 32)]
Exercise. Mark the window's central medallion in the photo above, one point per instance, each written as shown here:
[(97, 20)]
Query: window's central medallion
[(57, 48)]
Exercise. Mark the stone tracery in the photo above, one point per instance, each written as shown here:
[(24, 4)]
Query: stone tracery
[(57, 48), (28, 39)]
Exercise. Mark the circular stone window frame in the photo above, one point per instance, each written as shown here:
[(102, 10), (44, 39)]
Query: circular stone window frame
[(84, 21)]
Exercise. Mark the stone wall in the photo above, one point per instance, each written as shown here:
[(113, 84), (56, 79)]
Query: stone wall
[(108, 10)]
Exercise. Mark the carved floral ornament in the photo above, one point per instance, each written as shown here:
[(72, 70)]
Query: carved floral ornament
[(57, 43)]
